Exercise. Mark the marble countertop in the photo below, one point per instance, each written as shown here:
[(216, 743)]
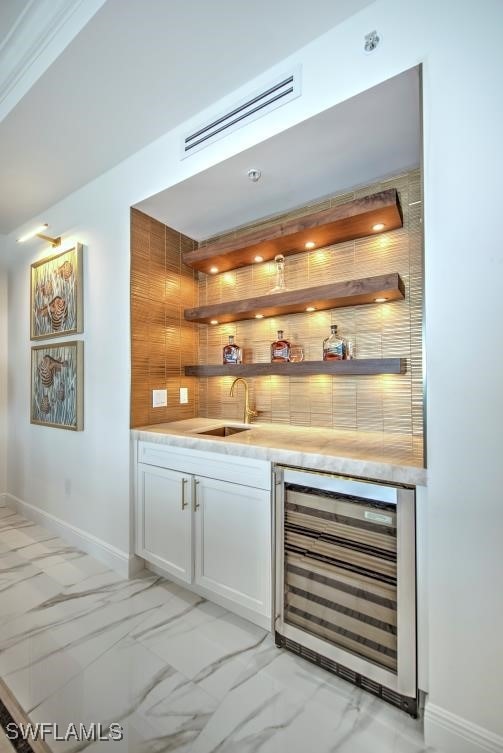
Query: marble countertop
[(384, 457)]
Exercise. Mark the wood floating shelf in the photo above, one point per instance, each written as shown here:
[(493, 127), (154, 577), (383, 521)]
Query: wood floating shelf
[(353, 367), (345, 222), (335, 295)]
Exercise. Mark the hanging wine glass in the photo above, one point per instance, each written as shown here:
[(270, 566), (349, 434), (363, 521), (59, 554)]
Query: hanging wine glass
[(280, 286)]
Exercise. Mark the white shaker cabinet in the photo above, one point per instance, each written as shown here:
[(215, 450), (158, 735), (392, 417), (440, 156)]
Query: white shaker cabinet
[(206, 520), (163, 520), (232, 542)]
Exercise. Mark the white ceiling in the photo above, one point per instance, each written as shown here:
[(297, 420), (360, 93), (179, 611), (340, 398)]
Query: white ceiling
[(368, 137), (10, 12), (134, 71)]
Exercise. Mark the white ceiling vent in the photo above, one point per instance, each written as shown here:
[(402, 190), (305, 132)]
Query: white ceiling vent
[(254, 106)]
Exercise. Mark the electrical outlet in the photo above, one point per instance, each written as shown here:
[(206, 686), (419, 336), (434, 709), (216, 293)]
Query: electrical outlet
[(159, 398), (184, 395)]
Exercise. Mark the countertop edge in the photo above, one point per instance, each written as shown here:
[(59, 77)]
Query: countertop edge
[(369, 469)]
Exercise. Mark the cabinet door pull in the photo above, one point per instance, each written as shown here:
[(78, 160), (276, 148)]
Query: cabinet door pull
[(184, 503), (196, 503)]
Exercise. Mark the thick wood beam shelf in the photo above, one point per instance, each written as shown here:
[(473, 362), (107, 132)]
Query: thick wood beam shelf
[(335, 295), (354, 367), (345, 222)]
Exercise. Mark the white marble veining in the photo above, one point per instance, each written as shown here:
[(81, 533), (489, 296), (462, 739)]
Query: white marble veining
[(385, 457), (79, 644)]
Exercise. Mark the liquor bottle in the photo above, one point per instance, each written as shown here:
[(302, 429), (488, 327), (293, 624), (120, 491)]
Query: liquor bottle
[(333, 346), (280, 349), (231, 352)]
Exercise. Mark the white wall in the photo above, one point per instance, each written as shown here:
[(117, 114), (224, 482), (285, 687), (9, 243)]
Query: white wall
[(3, 376), (459, 46), (79, 477), (464, 265)]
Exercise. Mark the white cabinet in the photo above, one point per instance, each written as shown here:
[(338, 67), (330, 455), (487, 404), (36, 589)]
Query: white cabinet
[(164, 520), (232, 542), (206, 520)]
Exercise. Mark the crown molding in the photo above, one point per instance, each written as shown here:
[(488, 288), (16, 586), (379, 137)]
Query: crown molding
[(41, 33)]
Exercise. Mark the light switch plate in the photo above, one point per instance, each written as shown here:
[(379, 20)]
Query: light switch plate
[(184, 395), (159, 398)]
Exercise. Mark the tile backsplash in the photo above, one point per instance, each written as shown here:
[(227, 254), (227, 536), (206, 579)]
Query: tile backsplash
[(162, 342)]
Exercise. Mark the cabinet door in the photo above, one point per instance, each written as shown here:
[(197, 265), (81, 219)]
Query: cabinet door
[(233, 542), (164, 520)]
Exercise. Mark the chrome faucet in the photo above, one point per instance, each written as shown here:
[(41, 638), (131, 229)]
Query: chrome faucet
[(248, 414)]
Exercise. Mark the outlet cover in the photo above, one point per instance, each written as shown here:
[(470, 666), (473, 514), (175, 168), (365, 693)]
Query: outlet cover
[(184, 395), (159, 398)]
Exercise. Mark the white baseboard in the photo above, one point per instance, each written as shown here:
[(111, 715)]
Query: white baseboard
[(450, 733), (127, 565)]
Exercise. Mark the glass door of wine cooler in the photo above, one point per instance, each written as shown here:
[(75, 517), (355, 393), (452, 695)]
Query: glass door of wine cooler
[(345, 585)]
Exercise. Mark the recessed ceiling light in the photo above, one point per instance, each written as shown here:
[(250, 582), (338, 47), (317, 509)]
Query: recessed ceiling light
[(259, 316), (214, 321), (310, 244), (310, 308), (378, 226), (213, 270), (380, 300), (258, 259)]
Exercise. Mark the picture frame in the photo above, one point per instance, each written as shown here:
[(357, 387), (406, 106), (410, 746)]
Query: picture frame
[(57, 385), (56, 295)]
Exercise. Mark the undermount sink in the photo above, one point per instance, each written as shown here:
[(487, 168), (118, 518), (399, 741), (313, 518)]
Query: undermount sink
[(224, 431)]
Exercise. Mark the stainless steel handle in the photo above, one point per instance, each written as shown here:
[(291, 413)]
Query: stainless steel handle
[(196, 503), (184, 503)]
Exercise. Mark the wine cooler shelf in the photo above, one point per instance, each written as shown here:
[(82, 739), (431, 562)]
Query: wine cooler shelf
[(353, 367)]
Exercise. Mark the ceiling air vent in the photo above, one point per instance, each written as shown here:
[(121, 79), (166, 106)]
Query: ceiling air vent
[(279, 93)]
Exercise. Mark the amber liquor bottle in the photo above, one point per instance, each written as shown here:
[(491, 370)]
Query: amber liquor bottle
[(280, 349), (333, 347), (231, 352)]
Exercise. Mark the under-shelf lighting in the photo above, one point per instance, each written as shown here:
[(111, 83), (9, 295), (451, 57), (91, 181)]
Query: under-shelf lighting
[(309, 245), (213, 270), (38, 232), (380, 300), (311, 308), (258, 259), (259, 316), (378, 227), (214, 321)]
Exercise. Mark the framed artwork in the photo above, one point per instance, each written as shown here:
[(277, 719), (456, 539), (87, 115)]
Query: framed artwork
[(56, 295), (57, 373)]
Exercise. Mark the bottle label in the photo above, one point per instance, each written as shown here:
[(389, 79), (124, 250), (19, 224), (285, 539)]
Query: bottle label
[(334, 350), (232, 354), (280, 352)]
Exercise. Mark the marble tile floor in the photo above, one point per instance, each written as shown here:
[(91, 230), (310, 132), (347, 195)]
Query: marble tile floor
[(79, 643)]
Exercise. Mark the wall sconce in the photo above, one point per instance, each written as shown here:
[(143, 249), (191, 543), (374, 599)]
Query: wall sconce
[(39, 233)]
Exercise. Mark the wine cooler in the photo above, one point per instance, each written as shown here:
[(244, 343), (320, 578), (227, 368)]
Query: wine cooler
[(345, 595)]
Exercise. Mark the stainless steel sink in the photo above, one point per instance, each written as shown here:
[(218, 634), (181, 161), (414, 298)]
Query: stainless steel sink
[(224, 431)]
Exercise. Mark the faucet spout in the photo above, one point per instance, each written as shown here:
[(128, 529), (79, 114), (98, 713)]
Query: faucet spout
[(248, 414)]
